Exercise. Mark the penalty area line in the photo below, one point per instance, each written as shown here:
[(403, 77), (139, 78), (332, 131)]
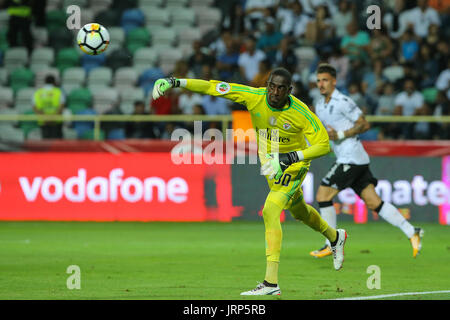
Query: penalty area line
[(392, 295)]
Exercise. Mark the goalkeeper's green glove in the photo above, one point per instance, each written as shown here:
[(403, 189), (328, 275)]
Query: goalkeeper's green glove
[(162, 85), (278, 162)]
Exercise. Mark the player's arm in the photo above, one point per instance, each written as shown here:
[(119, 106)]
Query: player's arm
[(361, 126), (319, 145), (238, 93)]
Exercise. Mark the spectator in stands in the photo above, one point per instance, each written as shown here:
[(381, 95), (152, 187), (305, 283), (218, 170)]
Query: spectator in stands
[(373, 80), (114, 130), (342, 65), (409, 46), (139, 130), (409, 102), (355, 45), (285, 56), (227, 63), (385, 107), (260, 79), (187, 100), (320, 29), (199, 58), (354, 92), (443, 81), (421, 17), (427, 67), (249, 60), (380, 46), (167, 104), (434, 35), (342, 18), (218, 47), (20, 17), (256, 11), (270, 39), (294, 21), (49, 100)]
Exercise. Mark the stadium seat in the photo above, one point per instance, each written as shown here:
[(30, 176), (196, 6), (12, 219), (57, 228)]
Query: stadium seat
[(3, 77), (11, 134), (185, 17), (24, 98), (116, 35), (177, 3), (306, 56), (156, 17), (80, 3), (53, 5), (30, 129), (201, 3), (148, 78), (72, 78), (89, 62), (59, 40), (123, 5), (101, 76), (6, 97), (39, 79), (4, 18), (207, 18), (79, 99), (116, 134), (119, 58), (137, 38), (67, 58), (56, 21), (15, 58), (41, 58), (131, 19), (3, 41), (21, 78), (40, 36), (104, 99), (87, 16), (128, 97), (144, 58), (99, 5), (186, 36), (125, 77), (163, 36), (108, 18), (150, 3), (430, 94)]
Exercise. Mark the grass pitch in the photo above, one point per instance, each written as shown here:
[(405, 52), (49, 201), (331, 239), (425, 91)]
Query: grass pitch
[(211, 261)]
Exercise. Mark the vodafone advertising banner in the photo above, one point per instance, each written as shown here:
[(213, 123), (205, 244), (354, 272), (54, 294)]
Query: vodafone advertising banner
[(109, 187)]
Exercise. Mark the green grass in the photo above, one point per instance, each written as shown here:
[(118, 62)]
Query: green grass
[(215, 261)]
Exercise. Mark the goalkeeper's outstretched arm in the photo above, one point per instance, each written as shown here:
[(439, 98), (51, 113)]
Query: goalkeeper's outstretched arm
[(212, 87)]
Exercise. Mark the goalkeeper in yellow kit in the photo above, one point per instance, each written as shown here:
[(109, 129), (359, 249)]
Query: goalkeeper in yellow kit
[(282, 124)]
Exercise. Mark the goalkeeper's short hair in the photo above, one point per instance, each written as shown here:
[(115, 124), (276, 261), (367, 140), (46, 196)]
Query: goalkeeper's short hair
[(283, 73)]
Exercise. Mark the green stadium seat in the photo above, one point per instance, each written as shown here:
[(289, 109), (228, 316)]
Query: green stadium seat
[(89, 135), (67, 58), (3, 40), (430, 94), (137, 38), (78, 97), (28, 126), (21, 78), (56, 21)]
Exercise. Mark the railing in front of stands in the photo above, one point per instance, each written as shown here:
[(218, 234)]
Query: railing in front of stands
[(223, 119)]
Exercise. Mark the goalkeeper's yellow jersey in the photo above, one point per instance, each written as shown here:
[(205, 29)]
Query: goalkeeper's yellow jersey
[(277, 130)]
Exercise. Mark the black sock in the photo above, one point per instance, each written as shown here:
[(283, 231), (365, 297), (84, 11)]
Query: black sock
[(267, 284), (335, 241)]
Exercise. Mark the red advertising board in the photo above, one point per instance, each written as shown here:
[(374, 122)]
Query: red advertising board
[(109, 187)]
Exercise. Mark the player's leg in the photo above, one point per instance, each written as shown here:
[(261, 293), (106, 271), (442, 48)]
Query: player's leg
[(274, 205), (324, 198), (391, 214), (300, 210)]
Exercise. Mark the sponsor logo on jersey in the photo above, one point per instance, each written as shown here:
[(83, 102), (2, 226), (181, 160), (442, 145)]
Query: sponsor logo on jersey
[(223, 87), (286, 126), (272, 121), (272, 135)]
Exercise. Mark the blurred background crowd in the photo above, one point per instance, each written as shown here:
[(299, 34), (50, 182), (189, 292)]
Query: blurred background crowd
[(401, 68)]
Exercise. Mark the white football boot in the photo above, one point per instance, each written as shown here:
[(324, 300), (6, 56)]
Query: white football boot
[(262, 290), (338, 249)]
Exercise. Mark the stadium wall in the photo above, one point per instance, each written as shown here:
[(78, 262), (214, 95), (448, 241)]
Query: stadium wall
[(128, 184)]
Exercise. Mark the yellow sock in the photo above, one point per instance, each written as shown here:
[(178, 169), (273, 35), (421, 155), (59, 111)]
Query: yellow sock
[(272, 272), (330, 234)]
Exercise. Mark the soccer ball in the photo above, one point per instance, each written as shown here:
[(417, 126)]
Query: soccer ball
[(93, 38)]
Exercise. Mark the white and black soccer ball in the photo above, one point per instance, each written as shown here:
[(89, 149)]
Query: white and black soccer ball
[(93, 38)]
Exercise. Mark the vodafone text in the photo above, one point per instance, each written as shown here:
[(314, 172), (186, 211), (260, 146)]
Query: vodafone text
[(104, 189)]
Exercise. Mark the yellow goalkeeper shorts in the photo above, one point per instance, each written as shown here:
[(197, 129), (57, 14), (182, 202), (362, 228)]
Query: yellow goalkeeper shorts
[(290, 183)]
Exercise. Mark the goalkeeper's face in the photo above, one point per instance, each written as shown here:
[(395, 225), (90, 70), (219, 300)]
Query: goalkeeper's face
[(278, 90)]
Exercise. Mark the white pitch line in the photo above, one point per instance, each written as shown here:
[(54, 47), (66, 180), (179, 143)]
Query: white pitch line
[(392, 295)]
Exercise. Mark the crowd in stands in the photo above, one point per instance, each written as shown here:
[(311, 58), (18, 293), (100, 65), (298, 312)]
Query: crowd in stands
[(401, 67)]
